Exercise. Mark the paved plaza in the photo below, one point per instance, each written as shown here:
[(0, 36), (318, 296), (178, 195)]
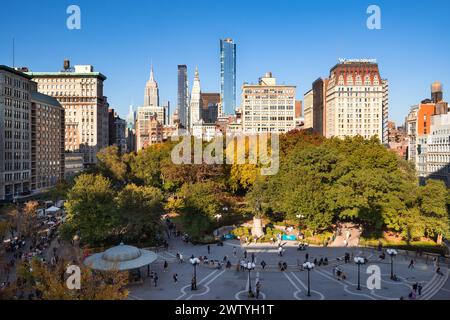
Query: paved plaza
[(232, 284)]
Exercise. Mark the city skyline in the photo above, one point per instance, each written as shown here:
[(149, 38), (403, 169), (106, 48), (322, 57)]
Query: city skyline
[(296, 56)]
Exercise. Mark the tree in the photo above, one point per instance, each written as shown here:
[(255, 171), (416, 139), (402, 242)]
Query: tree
[(50, 283), (111, 164), (30, 218), (433, 208), (91, 209), (200, 203), (140, 209)]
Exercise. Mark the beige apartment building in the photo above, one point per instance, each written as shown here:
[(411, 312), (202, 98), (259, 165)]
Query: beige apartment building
[(267, 106), (79, 90), (354, 100), (47, 142)]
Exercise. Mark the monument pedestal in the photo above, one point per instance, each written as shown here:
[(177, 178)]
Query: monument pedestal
[(257, 229)]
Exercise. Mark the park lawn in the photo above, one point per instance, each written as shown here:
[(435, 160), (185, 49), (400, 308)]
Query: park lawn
[(424, 245)]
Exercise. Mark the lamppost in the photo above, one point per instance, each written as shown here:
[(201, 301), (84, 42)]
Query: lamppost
[(194, 261), (250, 266), (308, 266), (359, 261), (392, 253)]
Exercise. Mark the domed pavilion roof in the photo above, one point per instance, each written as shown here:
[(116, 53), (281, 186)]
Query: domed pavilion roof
[(122, 257)]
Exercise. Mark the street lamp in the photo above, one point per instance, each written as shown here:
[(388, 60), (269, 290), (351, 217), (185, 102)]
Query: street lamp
[(392, 253), (249, 266), (359, 261), (308, 266), (194, 261)]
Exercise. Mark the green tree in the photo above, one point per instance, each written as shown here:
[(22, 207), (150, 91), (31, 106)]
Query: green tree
[(140, 209), (200, 203), (91, 208), (111, 164)]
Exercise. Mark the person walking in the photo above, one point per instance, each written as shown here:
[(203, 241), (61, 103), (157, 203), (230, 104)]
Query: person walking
[(166, 265), (411, 264), (181, 258), (209, 249), (175, 277), (245, 254), (253, 257), (258, 289), (414, 287), (306, 257), (419, 289), (263, 264), (155, 279), (280, 251), (234, 251)]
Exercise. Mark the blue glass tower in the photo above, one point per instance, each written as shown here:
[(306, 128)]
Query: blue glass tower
[(228, 76)]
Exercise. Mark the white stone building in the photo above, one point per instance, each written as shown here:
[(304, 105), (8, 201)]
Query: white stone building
[(267, 106)]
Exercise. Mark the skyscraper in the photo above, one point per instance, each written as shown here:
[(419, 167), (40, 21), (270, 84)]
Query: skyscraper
[(183, 100), (151, 95), (227, 76), (195, 101)]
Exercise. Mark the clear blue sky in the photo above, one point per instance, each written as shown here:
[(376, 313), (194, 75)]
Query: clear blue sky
[(298, 41)]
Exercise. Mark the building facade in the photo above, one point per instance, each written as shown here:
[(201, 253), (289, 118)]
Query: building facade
[(210, 106), (15, 133), (47, 142), (79, 90), (267, 106), (195, 104), (183, 97), (148, 128), (320, 87), (227, 76), (354, 101), (308, 100), (117, 131)]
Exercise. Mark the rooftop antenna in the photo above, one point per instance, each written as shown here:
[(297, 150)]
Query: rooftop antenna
[(13, 52)]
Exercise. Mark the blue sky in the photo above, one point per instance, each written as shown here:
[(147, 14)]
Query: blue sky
[(298, 41)]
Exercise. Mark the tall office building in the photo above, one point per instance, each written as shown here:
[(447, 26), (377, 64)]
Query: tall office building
[(183, 97), (80, 92), (227, 77), (117, 131), (385, 139), (31, 136), (354, 100), (15, 133), (47, 142), (267, 106), (195, 101), (151, 95)]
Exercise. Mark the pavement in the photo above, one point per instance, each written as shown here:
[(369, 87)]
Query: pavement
[(231, 284)]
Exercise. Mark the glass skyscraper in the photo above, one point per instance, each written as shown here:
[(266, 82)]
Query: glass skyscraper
[(228, 76), (183, 101)]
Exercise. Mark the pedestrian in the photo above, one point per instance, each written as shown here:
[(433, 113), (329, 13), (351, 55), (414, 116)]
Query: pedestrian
[(258, 289), (166, 265), (253, 257), (234, 251), (419, 289), (245, 254), (414, 287), (306, 257), (181, 258), (209, 249), (155, 279), (194, 283), (411, 264), (175, 277), (280, 251), (263, 264)]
